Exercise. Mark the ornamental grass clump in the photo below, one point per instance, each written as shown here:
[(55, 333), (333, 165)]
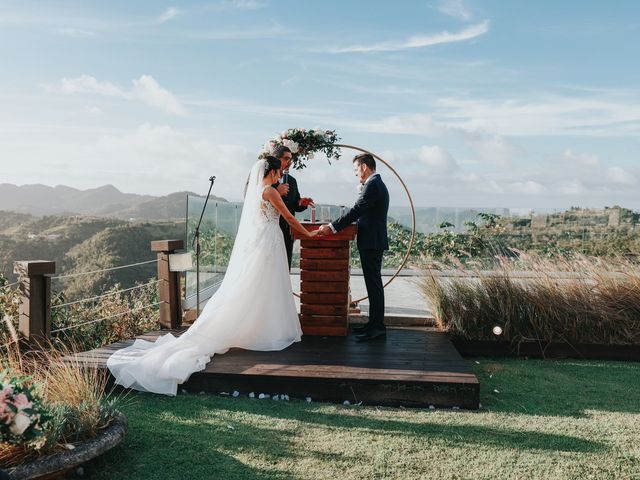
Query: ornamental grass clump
[(575, 300), (67, 404)]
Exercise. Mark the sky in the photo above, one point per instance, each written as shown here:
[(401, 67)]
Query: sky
[(474, 103)]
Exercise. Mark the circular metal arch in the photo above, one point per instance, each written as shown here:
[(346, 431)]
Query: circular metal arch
[(413, 215)]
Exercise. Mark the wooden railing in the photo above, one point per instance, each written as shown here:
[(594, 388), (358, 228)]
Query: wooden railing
[(34, 286)]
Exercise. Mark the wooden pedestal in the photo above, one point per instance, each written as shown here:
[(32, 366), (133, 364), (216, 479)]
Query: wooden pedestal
[(324, 282)]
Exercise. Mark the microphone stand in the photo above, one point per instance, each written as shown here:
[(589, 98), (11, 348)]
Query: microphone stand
[(196, 240)]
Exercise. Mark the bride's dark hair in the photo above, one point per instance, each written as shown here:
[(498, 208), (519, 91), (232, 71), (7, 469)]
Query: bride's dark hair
[(271, 163)]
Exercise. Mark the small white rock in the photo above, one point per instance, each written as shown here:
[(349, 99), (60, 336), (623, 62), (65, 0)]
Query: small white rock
[(346, 403), (201, 393), (431, 407), (69, 446), (477, 362), (495, 391), (276, 397), (224, 393), (261, 396), (455, 408), (252, 395), (308, 399), (235, 394), (184, 390), (285, 397), (230, 427)]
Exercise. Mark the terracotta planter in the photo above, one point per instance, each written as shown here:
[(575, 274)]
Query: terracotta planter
[(58, 464)]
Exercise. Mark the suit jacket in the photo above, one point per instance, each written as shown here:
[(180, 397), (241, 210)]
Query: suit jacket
[(370, 211), (292, 201)]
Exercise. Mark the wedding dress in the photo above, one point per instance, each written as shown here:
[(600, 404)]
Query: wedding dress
[(253, 309)]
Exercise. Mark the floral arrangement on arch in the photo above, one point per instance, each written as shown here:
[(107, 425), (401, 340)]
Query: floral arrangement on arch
[(304, 144), (22, 414)]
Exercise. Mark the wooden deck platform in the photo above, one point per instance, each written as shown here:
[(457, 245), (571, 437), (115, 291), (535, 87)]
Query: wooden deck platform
[(415, 367)]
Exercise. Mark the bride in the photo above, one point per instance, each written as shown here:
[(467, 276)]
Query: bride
[(253, 309)]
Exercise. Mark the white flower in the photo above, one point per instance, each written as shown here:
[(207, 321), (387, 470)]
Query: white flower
[(268, 148), (293, 146), (20, 423), (310, 156)]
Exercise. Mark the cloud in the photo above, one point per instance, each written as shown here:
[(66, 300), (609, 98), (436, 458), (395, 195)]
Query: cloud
[(492, 149), (75, 32), (145, 89), (528, 187), (249, 4), (150, 92), (453, 8), (437, 159), (160, 156), (89, 84), (419, 41), (169, 14), (588, 114), (619, 176), (580, 159), (275, 30), (413, 124)]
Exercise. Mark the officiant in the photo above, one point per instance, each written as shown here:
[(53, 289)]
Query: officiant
[(288, 189)]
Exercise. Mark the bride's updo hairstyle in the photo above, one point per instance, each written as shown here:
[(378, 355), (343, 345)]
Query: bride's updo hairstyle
[(270, 164)]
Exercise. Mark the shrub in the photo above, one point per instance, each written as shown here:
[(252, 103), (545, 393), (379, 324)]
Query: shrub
[(576, 300)]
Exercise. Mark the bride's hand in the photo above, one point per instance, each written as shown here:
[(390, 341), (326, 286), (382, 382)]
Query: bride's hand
[(313, 234)]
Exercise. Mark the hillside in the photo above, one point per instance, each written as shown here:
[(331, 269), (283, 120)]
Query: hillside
[(79, 244), (105, 201)]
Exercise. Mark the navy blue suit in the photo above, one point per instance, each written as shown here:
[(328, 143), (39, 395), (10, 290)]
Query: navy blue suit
[(370, 213)]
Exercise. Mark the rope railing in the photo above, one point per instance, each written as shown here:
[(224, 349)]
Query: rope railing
[(70, 275), (97, 297), (77, 325)]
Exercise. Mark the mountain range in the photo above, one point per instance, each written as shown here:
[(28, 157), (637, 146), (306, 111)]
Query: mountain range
[(105, 201)]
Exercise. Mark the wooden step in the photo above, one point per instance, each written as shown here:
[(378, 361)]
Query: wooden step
[(332, 310), (325, 287), (323, 299), (323, 264), (332, 276), (325, 253)]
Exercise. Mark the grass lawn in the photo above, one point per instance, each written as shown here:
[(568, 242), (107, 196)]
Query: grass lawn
[(539, 419)]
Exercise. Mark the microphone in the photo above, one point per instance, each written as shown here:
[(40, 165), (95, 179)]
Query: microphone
[(212, 178), (285, 177)]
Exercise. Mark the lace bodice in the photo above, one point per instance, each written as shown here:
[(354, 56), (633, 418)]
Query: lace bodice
[(267, 209)]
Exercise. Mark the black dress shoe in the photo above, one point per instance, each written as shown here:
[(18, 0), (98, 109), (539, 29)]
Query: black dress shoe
[(360, 328), (372, 335)]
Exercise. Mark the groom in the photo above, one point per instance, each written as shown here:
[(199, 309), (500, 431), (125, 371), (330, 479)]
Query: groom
[(370, 211), (288, 190)]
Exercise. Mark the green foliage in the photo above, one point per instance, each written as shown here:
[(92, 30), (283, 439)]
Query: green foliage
[(216, 247), (127, 315)]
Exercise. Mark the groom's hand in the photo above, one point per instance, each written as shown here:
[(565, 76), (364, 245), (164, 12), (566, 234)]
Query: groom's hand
[(283, 189), (325, 230), (306, 201)]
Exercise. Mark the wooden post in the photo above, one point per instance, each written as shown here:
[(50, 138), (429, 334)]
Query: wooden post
[(169, 283), (35, 300)]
